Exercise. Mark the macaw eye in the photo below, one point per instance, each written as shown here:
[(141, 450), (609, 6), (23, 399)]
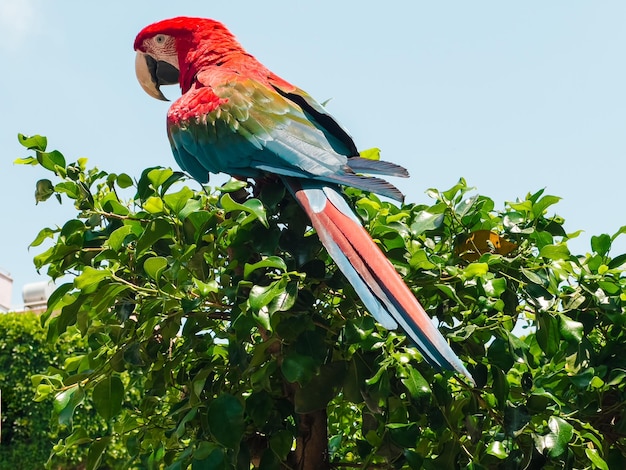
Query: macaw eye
[(159, 38)]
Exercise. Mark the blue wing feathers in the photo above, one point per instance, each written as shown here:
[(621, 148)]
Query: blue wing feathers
[(377, 167)]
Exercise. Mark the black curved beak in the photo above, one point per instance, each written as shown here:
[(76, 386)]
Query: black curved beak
[(153, 73)]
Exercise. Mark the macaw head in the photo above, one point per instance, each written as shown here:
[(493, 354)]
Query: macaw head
[(172, 51), (156, 64)]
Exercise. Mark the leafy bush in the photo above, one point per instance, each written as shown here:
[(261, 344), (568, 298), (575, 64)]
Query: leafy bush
[(29, 429), (25, 428), (28, 433), (251, 348)]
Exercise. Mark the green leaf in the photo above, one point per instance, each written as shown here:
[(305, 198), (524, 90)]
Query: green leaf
[(57, 299), (114, 206), (225, 418), (419, 260), (497, 449), (535, 197), (193, 211), (189, 416), (570, 330), (70, 188), (416, 461), (204, 449), (97, 450), (601, 244), (475, 270), (91, 277), (555, 252), (72, 228), (465, 205), (272, 195), (232, 186), (515, 419), (155, 266), (260, 296), (539, 296), (500, 386), (206, 288), (616, 378), (253, 207), (404, 434), (79, 436), (124, 181), (107, 397), (542, 238), (500, 357), (26, 161), (42, 236), (298, 368), (521, 206), (494, 287), (284, 300), (426, 221), (533, 276), (257, 209), (562, 432), (42, 392), (117, 237), (594, 456), (177, 201), (154, 205), (281, 443), (65, 404), (455, 191), (51, 160), (156, 230), (450, 292), (369, 205), (416, 384), (35, 142), (43, 190), (215, 460), (275, 262), (539, 208), (609, 287), (156, 456), (158, 176), (548, 333)]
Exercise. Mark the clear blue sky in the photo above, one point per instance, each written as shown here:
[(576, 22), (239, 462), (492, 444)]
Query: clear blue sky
[(513, 96)]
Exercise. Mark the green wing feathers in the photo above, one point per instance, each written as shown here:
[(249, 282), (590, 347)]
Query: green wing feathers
[(249, 128)]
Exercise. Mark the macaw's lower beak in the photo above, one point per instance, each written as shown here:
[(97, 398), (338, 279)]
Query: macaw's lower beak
[(152, 74)]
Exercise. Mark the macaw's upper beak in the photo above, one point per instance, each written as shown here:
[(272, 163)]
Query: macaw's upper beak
[(152, 74)]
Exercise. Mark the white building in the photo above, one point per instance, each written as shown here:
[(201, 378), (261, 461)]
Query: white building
[(34, 295)]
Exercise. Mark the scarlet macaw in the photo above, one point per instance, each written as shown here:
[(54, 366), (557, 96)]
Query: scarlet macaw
[(237, 117)]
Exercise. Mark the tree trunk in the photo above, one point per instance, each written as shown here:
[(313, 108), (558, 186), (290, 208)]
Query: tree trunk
[(312, 442), (311, 452)]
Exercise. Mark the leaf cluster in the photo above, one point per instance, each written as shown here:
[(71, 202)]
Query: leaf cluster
[(29, 430), (223, 308)]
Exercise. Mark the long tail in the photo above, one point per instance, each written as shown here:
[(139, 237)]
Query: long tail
[(372, 275)]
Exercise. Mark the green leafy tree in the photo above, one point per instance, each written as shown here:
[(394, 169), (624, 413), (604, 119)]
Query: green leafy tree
[(26, 430), (250, 349), (29, 429)]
